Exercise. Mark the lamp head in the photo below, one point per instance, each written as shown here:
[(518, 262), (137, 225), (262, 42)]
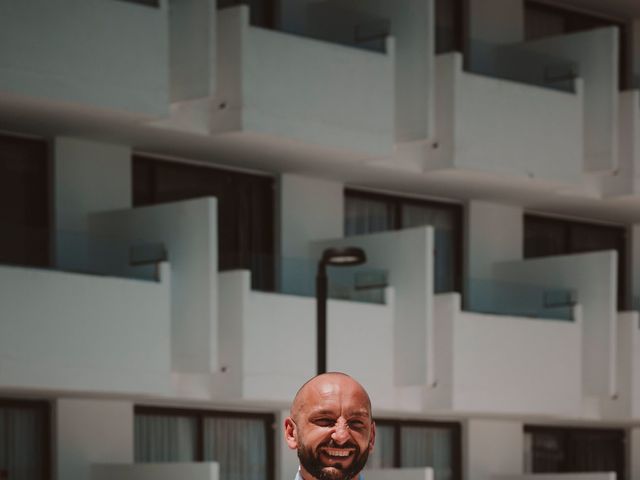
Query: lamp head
[(343, 257)]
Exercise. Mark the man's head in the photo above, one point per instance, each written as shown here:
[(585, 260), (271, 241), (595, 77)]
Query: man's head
[(330, 426)]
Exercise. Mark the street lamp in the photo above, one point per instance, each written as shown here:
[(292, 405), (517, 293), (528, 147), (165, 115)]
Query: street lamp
[(336, 257)]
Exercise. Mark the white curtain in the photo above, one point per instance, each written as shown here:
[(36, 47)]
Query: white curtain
[(165, 438), (424, 446), (365, 215), (21, 443), (384, 448), (239, 445)]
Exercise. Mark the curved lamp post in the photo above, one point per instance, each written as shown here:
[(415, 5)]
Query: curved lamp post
[(336, 257)]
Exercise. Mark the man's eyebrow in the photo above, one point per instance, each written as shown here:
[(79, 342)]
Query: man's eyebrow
[(322, 411), (360, 413)]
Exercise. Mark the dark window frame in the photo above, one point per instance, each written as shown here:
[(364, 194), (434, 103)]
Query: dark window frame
[(454, 427), (460, 30), (397, 201), (146, 3), (566, 224), (272, 7), (265, 248), (624, 33), (44, 407), (200, 414), (45, 228), (567, 432)]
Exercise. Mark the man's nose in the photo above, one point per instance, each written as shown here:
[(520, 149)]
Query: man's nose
[(340, 434)]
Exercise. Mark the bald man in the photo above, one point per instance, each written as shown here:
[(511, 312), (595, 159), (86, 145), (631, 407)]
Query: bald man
[(331, 427)]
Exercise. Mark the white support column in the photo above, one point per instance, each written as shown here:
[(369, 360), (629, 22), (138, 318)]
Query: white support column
[(493, 447), (89, 177), (494, 234), (89, 432), (634, 247), (309, 210), (634, 453)]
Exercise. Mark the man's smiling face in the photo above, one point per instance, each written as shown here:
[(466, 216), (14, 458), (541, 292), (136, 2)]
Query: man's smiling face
[(331, 428)]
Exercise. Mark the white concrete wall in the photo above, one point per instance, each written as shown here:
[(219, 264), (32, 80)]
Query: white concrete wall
[(496, 21), (505, 364), (399, 474), (484, 247), (91, 431), (634, 246), (593, 277), (626, 404), (192, 49), (492, 447), (310, 209), (71, 332), (263, 332), (502, 127), (634, 452), (625, 180), (407, 257), (596, 54), (412, 25), (302, 89), (157, 471), (188, 230), (80, 170), (121, 62)]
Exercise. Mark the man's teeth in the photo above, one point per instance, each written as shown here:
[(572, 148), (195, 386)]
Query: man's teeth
[(338, 453)]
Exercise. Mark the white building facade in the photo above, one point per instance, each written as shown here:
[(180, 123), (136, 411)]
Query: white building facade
[(172, 170)]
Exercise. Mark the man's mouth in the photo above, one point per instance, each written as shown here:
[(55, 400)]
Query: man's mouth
[(337, 452)]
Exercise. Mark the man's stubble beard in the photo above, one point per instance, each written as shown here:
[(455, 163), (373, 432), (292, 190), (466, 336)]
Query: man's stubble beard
[(312, 463)]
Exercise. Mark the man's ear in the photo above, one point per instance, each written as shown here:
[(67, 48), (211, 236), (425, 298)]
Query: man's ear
[(372, 438), (291, 433)]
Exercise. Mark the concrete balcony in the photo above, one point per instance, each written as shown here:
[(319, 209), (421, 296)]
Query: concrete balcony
[(277, 86), (487, 125), (505, 364), (593, 278), (186, 233), (111, 56), (504, 351), (267, 342), (71, 332)]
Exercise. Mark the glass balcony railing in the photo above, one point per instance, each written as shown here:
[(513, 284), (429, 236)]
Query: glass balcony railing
[(516, 63), (297, 276), (80, 252), (519, 300)]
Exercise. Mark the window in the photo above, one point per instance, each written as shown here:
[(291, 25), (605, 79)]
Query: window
[(449, 26), (24, 201), (262, 13), (566, 450), (24, 440), (410, 444), (544, 236), (245, 210), (544, 20), (242, 443), (369, 213)]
